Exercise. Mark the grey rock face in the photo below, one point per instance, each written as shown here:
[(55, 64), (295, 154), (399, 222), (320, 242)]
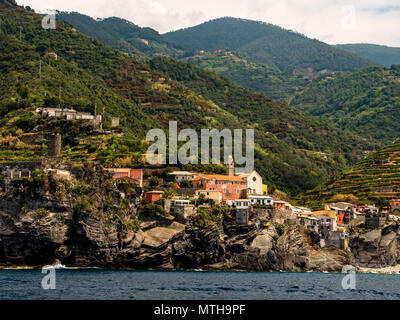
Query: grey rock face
[(27, 240), (377, 248), (99, 238)]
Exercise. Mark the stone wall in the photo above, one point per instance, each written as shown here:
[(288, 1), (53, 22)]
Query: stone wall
[(374, 222), (336, 240), (184, 211), (242, 216)]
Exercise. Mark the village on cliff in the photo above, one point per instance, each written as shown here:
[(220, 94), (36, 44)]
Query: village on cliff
[(185, 194)]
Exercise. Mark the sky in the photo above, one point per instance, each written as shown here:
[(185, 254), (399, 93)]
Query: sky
[(331, 21)]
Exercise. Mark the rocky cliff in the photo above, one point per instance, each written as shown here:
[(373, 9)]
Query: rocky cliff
[(377, 248), (26, 239), (90, 222)]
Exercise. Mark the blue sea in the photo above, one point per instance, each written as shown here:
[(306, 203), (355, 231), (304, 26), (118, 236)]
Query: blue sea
[(76, 284)]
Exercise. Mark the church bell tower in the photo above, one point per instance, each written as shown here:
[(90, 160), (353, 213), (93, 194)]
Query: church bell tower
[(230, 167)]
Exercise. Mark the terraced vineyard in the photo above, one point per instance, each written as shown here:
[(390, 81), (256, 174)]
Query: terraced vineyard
[(376, 176)]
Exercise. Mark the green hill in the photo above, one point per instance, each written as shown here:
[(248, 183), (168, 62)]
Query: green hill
[(122, 34), (377, 176), (380, 54), (62, 67), (265, 58), (270, 80), (266, 44), (366, 102)]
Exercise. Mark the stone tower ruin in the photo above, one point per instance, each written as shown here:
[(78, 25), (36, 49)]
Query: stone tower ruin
[(54, 145)]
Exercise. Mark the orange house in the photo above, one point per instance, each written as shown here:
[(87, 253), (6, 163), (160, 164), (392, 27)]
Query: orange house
[(340, 215), (134, 174), (231, 187)]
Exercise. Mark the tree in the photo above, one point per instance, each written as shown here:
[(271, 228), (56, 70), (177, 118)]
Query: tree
[(168, 194), (154, 181), (185, 184)]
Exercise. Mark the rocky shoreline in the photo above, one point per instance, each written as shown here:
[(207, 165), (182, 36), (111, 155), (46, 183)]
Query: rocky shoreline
[(90, 225)]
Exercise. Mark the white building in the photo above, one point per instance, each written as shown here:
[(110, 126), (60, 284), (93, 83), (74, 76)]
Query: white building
[(184, 175), (261, 200), (69, 114), (254, 182), (242, 203)]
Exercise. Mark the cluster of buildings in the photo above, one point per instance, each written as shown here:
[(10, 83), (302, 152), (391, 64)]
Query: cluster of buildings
[(228, 188), (71, 114), (246, 192)]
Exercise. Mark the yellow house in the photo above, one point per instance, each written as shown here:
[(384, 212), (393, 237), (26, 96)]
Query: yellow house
[(264, 189), (211, 194)]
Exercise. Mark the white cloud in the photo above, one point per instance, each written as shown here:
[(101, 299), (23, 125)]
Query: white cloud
[(375, 21)]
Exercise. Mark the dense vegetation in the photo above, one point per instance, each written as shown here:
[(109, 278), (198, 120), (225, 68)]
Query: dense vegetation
[(122, 34), (379, 170), (267, 44), (294, 152), (366, 102), (270, 80), (380, 54), (291, 148), (279, 63)]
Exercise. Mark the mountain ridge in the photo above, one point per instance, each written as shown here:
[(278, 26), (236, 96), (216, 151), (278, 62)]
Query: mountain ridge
[(265, 43), (384, 55)]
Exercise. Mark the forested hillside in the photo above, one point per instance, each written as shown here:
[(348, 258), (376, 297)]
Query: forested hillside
[(122, 34), (380, 54), (366, 102), (267, 44), (270, 80), (64, 68), (279, 128)]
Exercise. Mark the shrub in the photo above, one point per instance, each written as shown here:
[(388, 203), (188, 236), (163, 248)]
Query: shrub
[(41, 213), (154, 181), (280, 229), (156, 207), (133, 224), (82, 207), (185, 184)]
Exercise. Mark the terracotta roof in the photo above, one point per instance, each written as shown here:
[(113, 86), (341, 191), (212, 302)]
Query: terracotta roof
[(118, 169), (219, 177)]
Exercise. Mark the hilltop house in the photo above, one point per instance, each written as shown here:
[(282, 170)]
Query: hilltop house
[(133, 174), (69, 114), (183, 175)]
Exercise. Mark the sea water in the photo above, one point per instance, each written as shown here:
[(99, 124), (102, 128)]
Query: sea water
[(75, 284)]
